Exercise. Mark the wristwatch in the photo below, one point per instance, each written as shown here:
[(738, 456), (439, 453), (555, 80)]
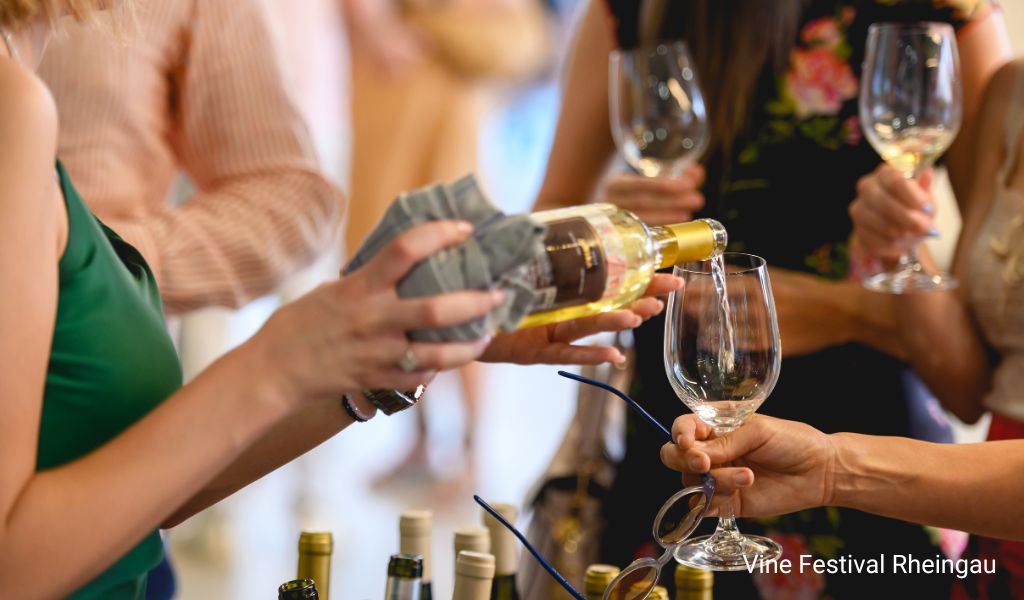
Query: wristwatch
[(390, 402)]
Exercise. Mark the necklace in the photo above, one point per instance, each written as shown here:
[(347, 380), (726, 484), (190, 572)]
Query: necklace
[(11, 47)]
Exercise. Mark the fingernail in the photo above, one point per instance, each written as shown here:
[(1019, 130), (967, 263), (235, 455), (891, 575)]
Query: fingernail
[(498, 296), (619, 359), (743, 479), (928, 208), (464, 227), (934, 232), (487, 339), (695, 463)]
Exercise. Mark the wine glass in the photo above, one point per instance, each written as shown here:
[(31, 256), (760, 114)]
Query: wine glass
[(657, 110), (722, 357), (911, 105)]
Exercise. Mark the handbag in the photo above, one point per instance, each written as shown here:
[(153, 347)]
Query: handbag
[(485, 42), (567, 519)]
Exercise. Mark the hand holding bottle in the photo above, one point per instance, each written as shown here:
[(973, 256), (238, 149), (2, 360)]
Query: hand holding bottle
[(890, 211), (658, 200), (350, 334)]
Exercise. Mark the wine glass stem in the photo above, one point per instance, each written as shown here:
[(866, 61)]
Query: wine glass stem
[(908, 259), (727, 530)]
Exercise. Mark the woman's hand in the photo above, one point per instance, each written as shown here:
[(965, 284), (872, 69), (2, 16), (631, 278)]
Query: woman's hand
[(350, 334), (777, 466), (658, 200), (553, 344), (890, 211)]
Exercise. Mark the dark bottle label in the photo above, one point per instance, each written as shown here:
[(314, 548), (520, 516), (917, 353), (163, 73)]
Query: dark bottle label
[(574, 269)]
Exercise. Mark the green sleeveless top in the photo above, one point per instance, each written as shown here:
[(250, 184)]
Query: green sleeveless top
[(111, 362)]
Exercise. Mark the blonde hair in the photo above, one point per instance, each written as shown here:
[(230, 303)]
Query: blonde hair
[(15, 13)]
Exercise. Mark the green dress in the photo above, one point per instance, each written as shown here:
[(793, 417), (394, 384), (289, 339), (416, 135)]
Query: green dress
[(111, 362)]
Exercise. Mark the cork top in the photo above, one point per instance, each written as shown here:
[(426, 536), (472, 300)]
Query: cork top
[(504, 545), (416, 522), (477, 565), (598, 578), (316, 542), (691, 578), (474, 539)]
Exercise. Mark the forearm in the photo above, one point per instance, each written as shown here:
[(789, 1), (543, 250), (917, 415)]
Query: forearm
[(238, 239), (288, 440), (96, 508), (969, 487)]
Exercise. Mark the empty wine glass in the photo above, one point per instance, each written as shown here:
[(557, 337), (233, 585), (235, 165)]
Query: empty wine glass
[(911, 105), (722, 357), (657, 111)]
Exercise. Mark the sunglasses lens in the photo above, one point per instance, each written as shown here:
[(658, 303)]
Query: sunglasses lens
[(680, 518), (635, 583)]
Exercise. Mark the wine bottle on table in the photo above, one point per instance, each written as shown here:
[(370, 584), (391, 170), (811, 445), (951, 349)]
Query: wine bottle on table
[(298, 589), (474, 539), (694, 584), (474, 573), (315, 549), (505, 548), (597, 580), (414, 529), (595, 258), (405, 577)]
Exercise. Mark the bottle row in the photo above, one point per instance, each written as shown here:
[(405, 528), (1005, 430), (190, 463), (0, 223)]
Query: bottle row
[(486, 565)]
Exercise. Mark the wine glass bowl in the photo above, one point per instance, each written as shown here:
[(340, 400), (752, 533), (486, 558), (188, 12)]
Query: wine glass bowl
[(723, 356), (911, 108), (658, 118)]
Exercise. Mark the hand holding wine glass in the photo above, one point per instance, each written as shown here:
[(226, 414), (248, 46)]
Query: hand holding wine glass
[(722, 357), (911, 107)]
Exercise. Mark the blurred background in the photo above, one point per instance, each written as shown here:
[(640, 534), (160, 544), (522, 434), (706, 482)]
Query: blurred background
[(357, 484)]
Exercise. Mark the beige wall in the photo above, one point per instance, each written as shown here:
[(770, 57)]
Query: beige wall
[(1014, 11)]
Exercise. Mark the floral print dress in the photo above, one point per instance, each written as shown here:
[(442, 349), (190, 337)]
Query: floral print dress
[(783, 192)]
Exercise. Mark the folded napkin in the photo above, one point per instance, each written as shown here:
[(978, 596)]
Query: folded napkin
[(496, 256)]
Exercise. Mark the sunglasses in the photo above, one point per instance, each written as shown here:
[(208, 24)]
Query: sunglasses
[(675, 522)]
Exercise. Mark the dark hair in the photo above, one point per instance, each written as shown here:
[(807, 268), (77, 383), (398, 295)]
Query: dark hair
[(731, 41)]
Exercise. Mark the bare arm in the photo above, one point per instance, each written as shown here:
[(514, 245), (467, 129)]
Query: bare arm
[(263, 209), (583, 142), (984, 47), (784, 466)]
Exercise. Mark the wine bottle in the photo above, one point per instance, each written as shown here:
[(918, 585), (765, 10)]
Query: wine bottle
[(505, 548), (405, 577), (298, 589), (414, 533), (597, 580), (599, 257), (474, 573), (693, 584), (315, 550), (473, 539)]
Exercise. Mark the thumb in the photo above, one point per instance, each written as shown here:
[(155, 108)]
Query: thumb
[(734, 445)]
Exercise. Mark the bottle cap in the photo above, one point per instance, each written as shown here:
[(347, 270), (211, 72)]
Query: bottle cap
[(474, 539), (477, 565), (598, 578), (702, 239), (406, 566), (415, 522), (690, 578), (414, 528), (299, 589), (316, 542), (504, 545)]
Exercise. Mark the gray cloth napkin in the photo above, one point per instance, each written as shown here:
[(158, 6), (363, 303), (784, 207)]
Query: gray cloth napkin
[(494, 257)]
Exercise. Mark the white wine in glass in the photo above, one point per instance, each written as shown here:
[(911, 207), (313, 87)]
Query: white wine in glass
[(723, 357), (911, 106), (657, 111)]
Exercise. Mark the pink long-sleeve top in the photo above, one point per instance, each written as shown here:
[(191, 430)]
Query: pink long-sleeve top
[(194, 86)]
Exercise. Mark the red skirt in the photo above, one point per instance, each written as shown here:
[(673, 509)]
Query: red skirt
[(1008, 580)]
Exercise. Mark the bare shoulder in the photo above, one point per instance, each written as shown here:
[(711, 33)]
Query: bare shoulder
[(1006, 77), (28, 115)]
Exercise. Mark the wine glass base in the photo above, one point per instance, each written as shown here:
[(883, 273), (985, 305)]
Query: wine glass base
[(743, 553), (909, 281)]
